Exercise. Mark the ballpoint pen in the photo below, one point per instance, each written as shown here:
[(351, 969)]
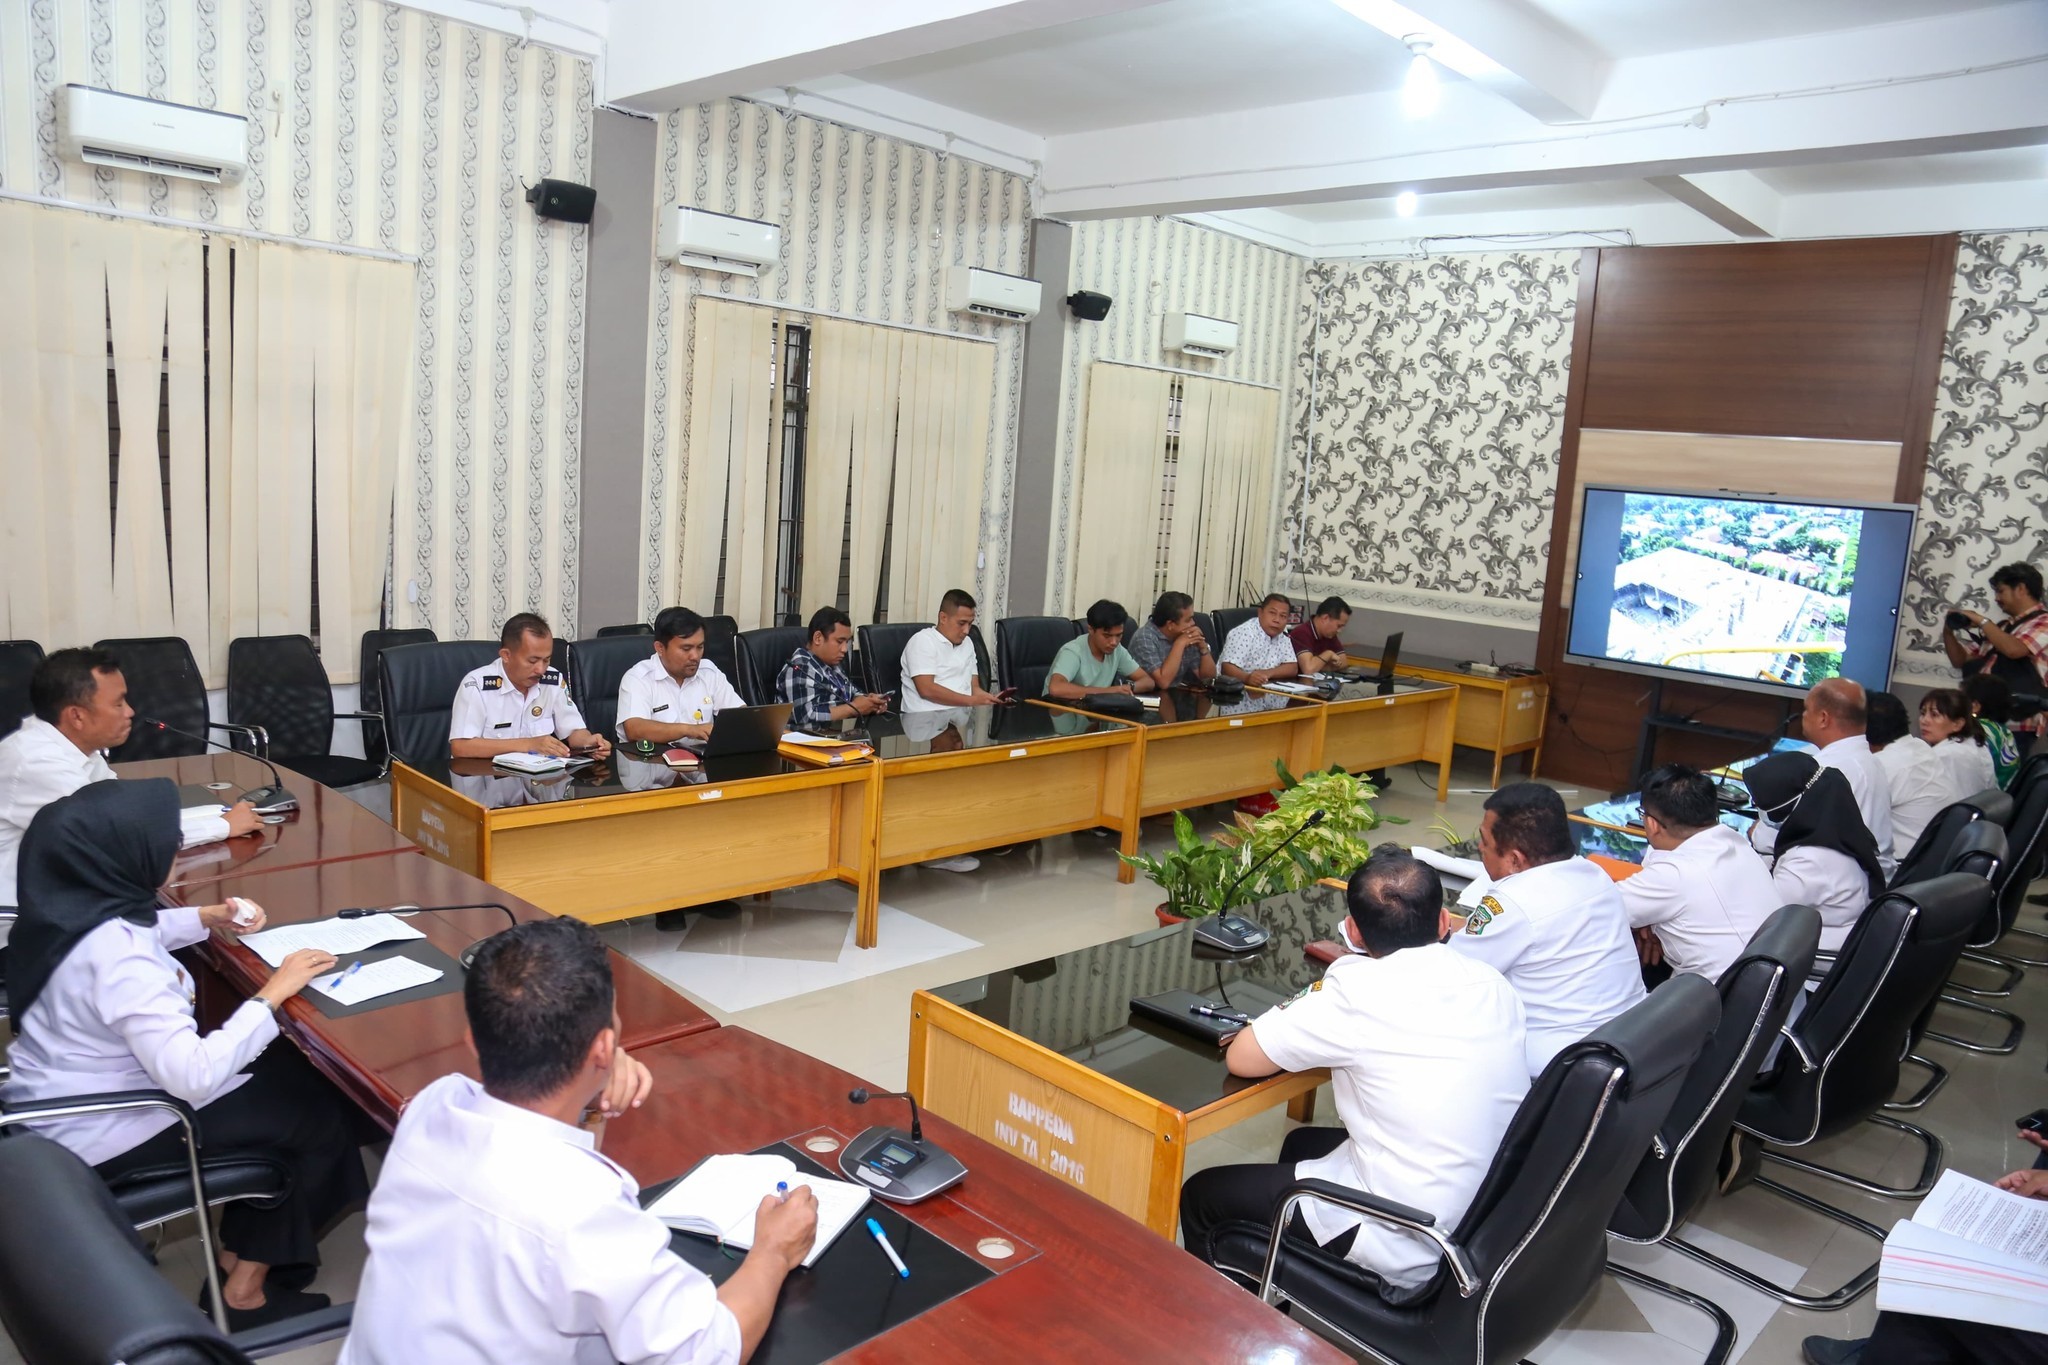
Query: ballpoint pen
[(342, 976), (902, 1270)]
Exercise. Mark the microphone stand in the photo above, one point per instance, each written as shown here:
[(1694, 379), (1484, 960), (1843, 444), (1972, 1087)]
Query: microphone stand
[(861, 1095), (272, 798), (1223, 902), (468, 954)]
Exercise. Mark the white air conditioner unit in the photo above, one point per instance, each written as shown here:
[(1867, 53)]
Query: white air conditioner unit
[(132, 133), (1196, 335), (991, 294), (703, 240)]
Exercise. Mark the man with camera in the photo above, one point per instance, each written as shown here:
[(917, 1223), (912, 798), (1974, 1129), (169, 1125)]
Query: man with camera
[(2021, 637)]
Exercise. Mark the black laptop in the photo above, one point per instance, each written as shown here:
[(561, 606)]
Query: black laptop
[(1390, 655), (747, 730)]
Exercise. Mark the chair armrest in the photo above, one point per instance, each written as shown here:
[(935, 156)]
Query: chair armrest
[(288, 1334), (384, 769), (1371, 1206), (258, 736), (109, 1102), (377, 716)]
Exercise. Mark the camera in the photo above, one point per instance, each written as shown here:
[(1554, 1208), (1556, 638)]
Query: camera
[(1955, 620)]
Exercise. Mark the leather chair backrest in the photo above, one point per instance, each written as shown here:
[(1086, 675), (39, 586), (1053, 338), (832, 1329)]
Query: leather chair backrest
[(1537, 1229), (982, 666), (76, 1283), (595, 668), (278, 682), (1841, 1059), (18, 660), (419, 684), (163, 684), (1996, 804), (1931, 850), (1025, 647), (370, 682), (1208, 624), (762, 653), (630, 628), (1227, 619), (1679, 1173), (721, 636), (2026, 847), (881, 652)]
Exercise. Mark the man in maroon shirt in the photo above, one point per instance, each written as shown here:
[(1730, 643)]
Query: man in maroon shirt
[(1315, 640)]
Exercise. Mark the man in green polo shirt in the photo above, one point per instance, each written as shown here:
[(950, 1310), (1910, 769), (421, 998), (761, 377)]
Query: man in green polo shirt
[(1097, 661)]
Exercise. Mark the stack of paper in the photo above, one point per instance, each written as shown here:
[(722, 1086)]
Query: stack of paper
[(1972, 1252), (807, 748), (719, 1197), (530, 763), (337, 936), (372, 979)]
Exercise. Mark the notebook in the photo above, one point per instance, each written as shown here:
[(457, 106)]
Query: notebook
[(718, 1197)]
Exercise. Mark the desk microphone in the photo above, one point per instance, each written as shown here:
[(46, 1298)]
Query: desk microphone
[(267, 799), (1235, 933), (895, 1165), (862, 1095), (468, 955)]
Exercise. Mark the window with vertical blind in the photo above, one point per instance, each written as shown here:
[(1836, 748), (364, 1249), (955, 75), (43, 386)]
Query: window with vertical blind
[(257, 398), (1176, 472)]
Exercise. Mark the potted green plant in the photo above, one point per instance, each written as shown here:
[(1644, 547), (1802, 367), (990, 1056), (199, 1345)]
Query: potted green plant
[(1334, 847), (1194, 874), (1455, 844)]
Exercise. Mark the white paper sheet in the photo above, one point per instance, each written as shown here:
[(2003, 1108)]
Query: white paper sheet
[(385, 977), (1990, 1217), (337, 936)]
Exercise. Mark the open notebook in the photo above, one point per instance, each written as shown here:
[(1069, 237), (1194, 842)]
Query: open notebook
[(718, 1199)]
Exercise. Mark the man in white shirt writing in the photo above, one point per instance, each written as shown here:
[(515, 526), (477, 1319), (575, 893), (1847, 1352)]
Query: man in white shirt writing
[(675, 693), (498, 1232), (520, 703), (1703, 891)]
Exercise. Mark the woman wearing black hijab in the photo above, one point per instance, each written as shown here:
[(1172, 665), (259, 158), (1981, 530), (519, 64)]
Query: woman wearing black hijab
[(99, 1004), (1824, 856)]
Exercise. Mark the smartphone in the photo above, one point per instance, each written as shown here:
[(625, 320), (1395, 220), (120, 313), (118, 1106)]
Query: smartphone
[(2036, 1122), (1007, 695)]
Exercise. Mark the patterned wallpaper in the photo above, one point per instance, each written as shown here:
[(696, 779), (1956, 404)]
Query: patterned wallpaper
[(1985, 502), (379, 127), (1151, 267), (868, 226), (1428, 412)]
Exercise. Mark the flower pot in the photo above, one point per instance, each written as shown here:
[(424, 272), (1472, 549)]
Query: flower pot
[(1166, 916)]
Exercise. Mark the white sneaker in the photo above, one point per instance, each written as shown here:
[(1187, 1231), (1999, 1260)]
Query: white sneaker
[(963, 863)]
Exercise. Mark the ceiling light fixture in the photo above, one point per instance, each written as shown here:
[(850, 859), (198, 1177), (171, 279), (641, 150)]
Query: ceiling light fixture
[(1405, 204), (1420, 90)]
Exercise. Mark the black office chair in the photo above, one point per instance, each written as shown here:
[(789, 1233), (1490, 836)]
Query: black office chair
[(77, 1284), (419, 683), (1207, 623), (18, 660), (164, 684), (1931, 850), (370, 686), (1225, 620), (1530, 1248), (2022, 863), (721, 647), (277, 684), (1679, 1172), (982, 665), (881, 653), (596, 666), (1026, 647), (762, 653), (1980, 852), (2027, 841), (631, 628)]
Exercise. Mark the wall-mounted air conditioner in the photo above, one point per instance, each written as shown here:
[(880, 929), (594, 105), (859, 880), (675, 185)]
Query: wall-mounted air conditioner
[(990, 294), (1194, 334), (702, 240), (132, 133)]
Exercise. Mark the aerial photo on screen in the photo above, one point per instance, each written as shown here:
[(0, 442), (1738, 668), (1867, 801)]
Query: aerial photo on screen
[(1755, 590)]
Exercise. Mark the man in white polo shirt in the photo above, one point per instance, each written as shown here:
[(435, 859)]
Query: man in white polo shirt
[(1258, 651), (1549, 921), (519, 704), (1833, 722), (1425, 1051), (939, 666), (674, 693), (1703, 891)]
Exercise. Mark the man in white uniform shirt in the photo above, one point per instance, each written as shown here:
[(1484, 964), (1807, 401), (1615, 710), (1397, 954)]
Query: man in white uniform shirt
[(1913, 774), (674, 693), (939, 667), (80, 705), (1258, 651), (1703, 891), (1550, 921), (1425, 1052), (499, 1233), (519, 704), (1833, 722)]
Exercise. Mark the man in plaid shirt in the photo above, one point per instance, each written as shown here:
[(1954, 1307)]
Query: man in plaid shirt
[(815, 685), (2023, 634)]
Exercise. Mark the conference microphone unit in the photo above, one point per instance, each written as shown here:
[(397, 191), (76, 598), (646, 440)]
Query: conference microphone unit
[(898, 1166), (1235, 933), (269, 800), (468, 955)]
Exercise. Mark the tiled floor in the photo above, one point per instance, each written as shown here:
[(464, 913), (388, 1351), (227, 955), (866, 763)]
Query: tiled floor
[(852, 1009)]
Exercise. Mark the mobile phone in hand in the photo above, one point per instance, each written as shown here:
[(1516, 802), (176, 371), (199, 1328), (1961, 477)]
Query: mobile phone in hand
[(2036, 1122)]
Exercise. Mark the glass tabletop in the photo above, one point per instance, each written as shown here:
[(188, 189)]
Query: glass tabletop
[(1078, 1004), (911, 733), (624, 771)]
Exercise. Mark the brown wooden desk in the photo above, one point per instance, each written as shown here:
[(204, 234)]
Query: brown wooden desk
[(382, 1058), (1502, 715), (1363, 731), (1085, 1282)]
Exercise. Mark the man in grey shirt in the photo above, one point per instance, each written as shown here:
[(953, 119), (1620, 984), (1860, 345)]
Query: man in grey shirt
[(1170, 646)]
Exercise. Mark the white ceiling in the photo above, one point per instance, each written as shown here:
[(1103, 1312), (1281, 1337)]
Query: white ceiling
[(1642, 28), (1910, 172)]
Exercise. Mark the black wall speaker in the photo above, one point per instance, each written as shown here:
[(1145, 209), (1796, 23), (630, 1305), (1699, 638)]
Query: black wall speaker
[(1088, 306), (563, 199)]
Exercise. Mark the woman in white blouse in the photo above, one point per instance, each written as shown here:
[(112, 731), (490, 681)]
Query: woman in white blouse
[(100, 1005), (1948, 722), (1824, 855)]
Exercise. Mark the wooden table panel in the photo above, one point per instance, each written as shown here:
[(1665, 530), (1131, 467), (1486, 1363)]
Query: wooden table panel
[(1100, 1288), (1502, 715), (1223, 757), (937, 806)]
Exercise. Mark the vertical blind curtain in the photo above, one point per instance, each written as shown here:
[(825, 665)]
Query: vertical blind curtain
[(1123, 465), (899, 430), (209, 535), (1224, 486), (730, 474)]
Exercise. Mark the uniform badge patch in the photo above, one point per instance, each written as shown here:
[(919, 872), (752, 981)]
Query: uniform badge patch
[(1483, 914), (491, 682), (536, 709), (551, 678), (1312, 986)]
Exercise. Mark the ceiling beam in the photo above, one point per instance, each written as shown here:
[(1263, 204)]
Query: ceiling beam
[(663, 56), (1506, 47), (1735, 200)]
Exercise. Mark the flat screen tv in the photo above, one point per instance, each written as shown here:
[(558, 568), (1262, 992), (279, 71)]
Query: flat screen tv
[(1755, 591)]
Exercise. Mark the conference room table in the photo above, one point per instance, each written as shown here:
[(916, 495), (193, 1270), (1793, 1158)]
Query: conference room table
[(1073, 1281), (1361, 729), (1501, 713)]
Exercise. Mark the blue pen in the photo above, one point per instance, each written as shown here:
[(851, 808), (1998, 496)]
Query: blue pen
[(887, 1250), (340, 977), (782, 1188)]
